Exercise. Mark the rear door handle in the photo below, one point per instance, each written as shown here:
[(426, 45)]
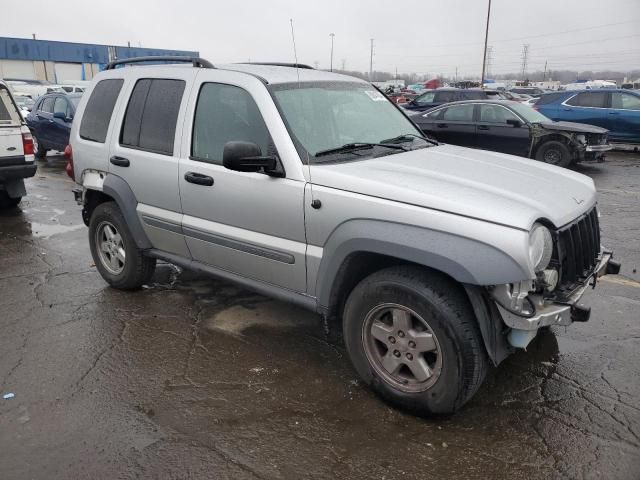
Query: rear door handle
[(483, 127), (119, 161), (198, 179), (442, 125)]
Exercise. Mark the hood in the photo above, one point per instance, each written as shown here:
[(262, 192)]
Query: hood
[(490, 186), (573, 127)]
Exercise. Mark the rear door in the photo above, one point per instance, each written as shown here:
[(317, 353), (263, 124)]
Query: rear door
[(455, 125), (250, 224), (590, 107), (144, 152), (627, 117), (494, 133)]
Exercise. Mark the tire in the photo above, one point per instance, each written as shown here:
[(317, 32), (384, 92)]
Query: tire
[(38, 149), (436, 307), (109, 239), (554, 153), (8, 202)]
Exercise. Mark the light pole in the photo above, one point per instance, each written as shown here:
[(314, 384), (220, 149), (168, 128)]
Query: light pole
[(332, 35), (486, 37)]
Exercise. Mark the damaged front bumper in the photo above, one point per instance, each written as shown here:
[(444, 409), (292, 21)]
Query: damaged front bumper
[(525, 312)]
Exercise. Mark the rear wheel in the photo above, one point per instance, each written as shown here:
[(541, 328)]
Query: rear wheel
[(118, 259), (38, 149), (554, 153), (413, 338)]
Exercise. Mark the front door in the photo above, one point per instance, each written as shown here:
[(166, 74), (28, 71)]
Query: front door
[(250, 224), (627, 117), (455, 125), (60, 127), (494, 133)]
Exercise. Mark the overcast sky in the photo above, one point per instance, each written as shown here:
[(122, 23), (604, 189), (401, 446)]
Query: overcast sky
[(433, 36)]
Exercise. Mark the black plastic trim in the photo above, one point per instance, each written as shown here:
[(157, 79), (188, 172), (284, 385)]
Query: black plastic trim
[(195, 61), (156, 222)]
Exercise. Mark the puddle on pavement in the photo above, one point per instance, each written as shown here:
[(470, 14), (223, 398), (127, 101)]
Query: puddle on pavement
[(44, 230), (238, 318)]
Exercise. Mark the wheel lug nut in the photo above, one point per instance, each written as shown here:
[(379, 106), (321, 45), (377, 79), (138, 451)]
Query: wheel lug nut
[(412, 344), (396, 353), (409, 356), (392, 340), (401, 334)]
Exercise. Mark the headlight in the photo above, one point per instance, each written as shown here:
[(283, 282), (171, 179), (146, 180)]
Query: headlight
[(540, 247)]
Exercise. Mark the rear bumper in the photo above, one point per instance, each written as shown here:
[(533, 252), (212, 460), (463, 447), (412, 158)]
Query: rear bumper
[(16, 172), (548, 312)]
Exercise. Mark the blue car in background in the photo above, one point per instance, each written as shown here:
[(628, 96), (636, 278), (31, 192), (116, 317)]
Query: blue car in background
[(50, 121), (616, 110)]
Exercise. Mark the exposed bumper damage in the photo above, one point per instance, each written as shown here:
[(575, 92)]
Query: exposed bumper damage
[(586, 143), (525, 311)]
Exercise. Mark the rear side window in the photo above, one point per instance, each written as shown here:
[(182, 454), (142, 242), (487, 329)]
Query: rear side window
[(625, 101), (97, 113), (458, 113), (473, 95), (151, 117), (589, 99), (445, 97)]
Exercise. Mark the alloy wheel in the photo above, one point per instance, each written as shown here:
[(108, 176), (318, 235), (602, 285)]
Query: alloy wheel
[(110, 248)]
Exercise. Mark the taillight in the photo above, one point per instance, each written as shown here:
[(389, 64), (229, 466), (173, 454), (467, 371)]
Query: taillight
[(27, 143), (68, 153)]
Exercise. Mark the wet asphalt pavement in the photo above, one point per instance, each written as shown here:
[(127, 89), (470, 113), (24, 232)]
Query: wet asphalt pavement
[(196, 378)]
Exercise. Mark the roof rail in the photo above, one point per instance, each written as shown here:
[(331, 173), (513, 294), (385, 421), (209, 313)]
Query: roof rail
[(195, 61), (279, 64)]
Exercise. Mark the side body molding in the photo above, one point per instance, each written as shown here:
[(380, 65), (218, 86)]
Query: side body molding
[(465, 259), (121, 192)]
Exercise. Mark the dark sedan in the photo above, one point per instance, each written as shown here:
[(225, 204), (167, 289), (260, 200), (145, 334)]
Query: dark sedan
[(50, 121), (435, 98), (511, 127)]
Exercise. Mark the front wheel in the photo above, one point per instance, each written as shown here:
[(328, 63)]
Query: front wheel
[(114, 250), (413, 338), (554, 153)]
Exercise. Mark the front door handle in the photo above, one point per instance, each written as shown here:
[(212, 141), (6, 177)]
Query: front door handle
[(198, 179), (442, 125), (119, 161), (483, 127)]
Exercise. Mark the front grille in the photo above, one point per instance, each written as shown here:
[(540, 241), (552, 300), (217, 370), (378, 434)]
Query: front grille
[(576, 252), (596, 138)]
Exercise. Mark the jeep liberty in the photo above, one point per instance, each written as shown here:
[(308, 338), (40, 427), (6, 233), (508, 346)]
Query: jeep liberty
[(313, 188)]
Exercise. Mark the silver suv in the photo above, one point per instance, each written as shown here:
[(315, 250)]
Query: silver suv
[(313, 188)]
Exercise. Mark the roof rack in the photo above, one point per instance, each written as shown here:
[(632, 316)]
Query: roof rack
[(279, 64), (195, 61)]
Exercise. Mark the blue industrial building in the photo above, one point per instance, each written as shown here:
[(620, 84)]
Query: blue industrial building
[(57, 62)]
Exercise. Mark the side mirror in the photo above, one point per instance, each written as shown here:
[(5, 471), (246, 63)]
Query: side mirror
[(60, 115), (247, 157), (514, 123)]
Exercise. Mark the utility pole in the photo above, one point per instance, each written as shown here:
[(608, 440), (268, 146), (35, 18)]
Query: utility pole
[(456, 75), (544, 77), (344, 64), (371, 63), (489, 61), (486, 37), (525, 58), (33, 35), (331, 35)]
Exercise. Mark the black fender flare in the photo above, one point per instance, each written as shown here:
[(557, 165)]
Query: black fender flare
[(118, 189)]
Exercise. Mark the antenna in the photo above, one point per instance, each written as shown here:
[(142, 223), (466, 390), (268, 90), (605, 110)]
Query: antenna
[(295, 56)]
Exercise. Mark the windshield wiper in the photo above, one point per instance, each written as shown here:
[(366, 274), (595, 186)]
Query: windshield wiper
[(405, 137), (352, 147)]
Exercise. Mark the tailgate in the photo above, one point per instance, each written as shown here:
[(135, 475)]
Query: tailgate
[(10, 142)]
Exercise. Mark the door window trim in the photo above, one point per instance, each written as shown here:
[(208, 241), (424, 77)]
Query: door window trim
[(608, 102), (501, 106)]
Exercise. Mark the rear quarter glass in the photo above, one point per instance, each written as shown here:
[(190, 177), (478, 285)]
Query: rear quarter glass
[(97, 113)]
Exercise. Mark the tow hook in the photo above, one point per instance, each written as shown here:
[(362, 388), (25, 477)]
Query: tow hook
[(580, 313), (613, 267)]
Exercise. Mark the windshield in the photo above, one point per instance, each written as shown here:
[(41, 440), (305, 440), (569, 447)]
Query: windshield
[(528, 113), (323, 116)]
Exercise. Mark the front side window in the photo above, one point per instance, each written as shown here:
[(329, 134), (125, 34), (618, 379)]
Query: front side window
[(625, 101), (225, 113), (60, 105), (445, 97), (47, 105), (458, 113), (152, 113), (589, 99), (325, 115), (496, 114), (99, 108)]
